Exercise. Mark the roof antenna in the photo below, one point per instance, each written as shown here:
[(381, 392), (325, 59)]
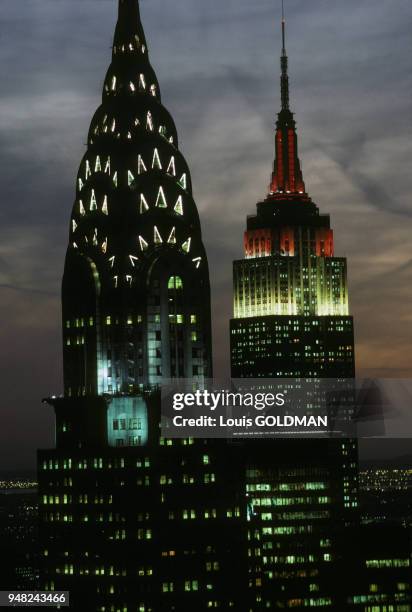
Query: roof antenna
[(284, 65)]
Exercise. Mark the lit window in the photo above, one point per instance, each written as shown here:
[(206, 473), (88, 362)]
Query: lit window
[(156, 236), (171, 169), (186, 245), (149, 121), (156, 164), (141, 165), (142, 82), (161, 199), (172, 236), (93, 203), (179, 206), (143, 204), (175, 282), (143, 243), (183, 181)]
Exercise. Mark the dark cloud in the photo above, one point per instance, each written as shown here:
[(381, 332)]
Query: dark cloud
[(218, 67)]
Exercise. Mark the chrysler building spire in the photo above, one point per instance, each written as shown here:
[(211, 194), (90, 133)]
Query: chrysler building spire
[(136, 281)]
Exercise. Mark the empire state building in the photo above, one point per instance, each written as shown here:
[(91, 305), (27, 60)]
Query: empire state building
[(291, 321)]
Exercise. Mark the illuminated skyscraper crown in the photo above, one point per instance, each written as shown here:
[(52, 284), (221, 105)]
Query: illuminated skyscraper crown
[(287, 175), (134, 225)]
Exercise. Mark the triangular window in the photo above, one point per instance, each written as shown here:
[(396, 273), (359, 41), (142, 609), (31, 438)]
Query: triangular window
[(179, 206), (172, 236), (143, 204), (171, 169), (161, 200), (142, 82), (186, 245), (141, 167), (93, 203), (143, 243), (183, 181), (157, 237), (156, 164)]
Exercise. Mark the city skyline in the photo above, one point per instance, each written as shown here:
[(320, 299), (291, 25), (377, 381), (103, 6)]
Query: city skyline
[(32, 294)]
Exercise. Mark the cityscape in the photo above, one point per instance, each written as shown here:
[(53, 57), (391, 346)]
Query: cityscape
[(126, 518)]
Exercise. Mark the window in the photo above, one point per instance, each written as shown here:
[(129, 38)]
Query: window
[(175, 282), (179, 206), (161, 199)]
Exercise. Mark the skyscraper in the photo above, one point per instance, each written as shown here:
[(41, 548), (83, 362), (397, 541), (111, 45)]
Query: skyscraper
[(291, 320), (130, 520), (291, 314)]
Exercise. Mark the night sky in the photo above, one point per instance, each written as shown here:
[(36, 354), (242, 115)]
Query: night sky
[(218, 68)]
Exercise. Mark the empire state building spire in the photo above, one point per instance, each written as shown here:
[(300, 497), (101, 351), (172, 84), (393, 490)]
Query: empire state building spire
[(284, 66), (287, 177)]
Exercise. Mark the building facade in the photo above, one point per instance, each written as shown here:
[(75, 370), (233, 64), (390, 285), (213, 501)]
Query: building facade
[(291, 320), (130, 521)]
